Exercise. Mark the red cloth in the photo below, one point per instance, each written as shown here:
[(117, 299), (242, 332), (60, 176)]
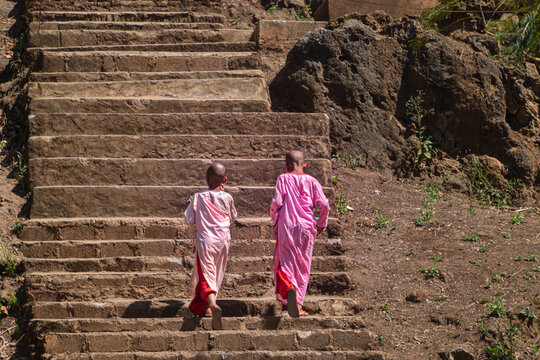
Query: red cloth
[(202, 290), (283, 285)]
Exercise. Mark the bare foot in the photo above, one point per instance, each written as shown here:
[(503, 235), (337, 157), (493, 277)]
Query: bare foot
[(302, 312), (216, 318)]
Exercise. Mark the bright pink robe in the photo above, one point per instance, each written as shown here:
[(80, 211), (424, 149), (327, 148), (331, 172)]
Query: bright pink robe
[(296, 228), (212, 213)]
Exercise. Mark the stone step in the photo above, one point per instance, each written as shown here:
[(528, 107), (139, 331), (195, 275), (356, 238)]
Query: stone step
[(61, 38), (188, 323), (136, 61), (227, 340), (200, 47), (38, 26), (148, 105), (127, 5), (63, 286), (232, 355), (83, 229), (185, 262), (141, 76), (262, 123), (183, 89), (134, 171), (138, 201), (177, 146), (86, 249), (127, 16), (171, 308)]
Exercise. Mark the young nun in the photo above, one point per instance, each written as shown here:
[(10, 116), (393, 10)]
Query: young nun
[(212, 211), (295, 229)]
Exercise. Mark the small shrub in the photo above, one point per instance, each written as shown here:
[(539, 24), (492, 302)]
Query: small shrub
[(496, 307), (382, 221), (432, 272), (472, 237), (416, 112), (503, 348), (349, 161), (342, 203), (517, 219)]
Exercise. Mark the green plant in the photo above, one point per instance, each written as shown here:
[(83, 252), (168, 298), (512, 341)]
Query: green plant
[(300, 15), (432, 272), (418, 43), (272, 8), (335, 180), (437, 258), (472, 211), (517, 219), (342, 203), (531, 257), (427, 213), (527, 313), (349, 161), (483, 249), (482, 188), (385, 308), (472, 237), (506, 235), (8, 263), (380, 339), (503, 348), (496, 307), (382, 221), (416, 112), (20, 168)]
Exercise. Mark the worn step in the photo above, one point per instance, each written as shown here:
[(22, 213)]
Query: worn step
[(138, 201), (109, 61), (61, 38), (137, 171), (261, 123), (63, 286), (227, 340), (86, 249), (127, 16), (126, 5), (139, 76), (185, 262), (279, 322), (147, 228), (232, 355), (177, 146), (38, 26), (243, 46), (171, 308), (188, 89), (148, 105)]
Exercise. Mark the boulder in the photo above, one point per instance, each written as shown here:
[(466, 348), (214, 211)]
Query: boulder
[(361, 71)]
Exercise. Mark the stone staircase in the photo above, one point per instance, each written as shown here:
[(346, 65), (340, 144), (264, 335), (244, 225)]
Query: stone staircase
[(131, 103)]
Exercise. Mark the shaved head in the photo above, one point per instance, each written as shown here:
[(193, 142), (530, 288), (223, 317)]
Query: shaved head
[(294, 157), (215, 175)]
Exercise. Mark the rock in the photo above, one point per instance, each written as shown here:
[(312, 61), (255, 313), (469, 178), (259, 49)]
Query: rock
[(335, 228), (462, 352), (361, 72), (417, 296)]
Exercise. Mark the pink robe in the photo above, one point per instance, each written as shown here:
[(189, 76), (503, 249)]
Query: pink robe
[(212, 213), (296, 228)]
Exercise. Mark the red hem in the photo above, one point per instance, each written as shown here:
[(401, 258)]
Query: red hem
[(202, 290)]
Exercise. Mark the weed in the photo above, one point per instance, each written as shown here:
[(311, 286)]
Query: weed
[(272, 8), (416, 112), (8, 264), (503, 348), (418, 44), (472, 237), (518, 258), (300, 15), (517, 219), (536, 268), (335, 180), (528, 314), (437, 258), (483, 249), (385, 308), (342, 203), (531, 257), (380, 339), (523, 289), (432, 272), (506, 235), (349, 161), (496, 307), (20, 168), (487, 285), (496, 278), (471, 210), (483, 189), (382, 221)]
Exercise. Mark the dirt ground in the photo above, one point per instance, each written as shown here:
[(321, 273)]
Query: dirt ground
[(416, 316)]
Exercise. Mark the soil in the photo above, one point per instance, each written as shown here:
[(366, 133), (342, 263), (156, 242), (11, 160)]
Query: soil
[(426, 316), (11, 195)]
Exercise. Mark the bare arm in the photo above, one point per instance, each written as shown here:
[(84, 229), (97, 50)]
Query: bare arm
[(320, 200), (277, 201)]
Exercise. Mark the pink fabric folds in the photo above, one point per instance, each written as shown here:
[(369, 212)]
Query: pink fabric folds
[(212, 213), (296, 228)]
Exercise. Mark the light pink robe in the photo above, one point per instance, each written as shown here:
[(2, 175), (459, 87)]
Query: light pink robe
[(296, 227), (212, 213)]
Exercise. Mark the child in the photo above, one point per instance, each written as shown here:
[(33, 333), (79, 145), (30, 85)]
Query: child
[(296, 228), (212, 211)]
